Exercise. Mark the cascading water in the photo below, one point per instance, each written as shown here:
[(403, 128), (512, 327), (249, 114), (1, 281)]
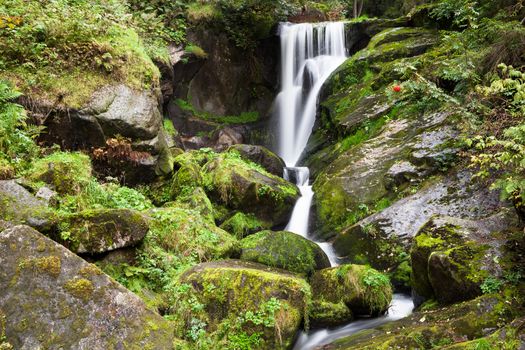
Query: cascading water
[(309, 54)]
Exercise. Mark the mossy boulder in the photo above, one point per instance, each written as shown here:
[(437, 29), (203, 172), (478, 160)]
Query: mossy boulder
[(248, 187), (261, 155), (186, 232), (364, 290), (196, 200), (18, 205), (394, 43), (188, 176), (323, 314), (50, 298), (65, 172), (102, 230), (451, 257), (285, 250), (241, 225), (250, 298), (384, 239), (441, 327)]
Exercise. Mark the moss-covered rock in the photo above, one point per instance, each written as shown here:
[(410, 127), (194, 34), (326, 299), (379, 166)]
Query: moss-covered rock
[(102, 230), (451, 258), (198, 201), (248, 187), (66, 172), (187, 177), (394, 43), (186, 232), (53, 299), (441, 327), (241, 225), (383, 240), (324, 314), (263, 156), (285, 250), (364, 290), (18, 205), (250, 298)]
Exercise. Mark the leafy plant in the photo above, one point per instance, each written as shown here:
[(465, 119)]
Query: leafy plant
[(17, 146), (491, 285)]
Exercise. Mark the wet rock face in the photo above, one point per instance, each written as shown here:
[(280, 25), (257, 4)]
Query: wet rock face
[(223, 83), (384, 239), (364, 175), (53, 299), (241, 286)]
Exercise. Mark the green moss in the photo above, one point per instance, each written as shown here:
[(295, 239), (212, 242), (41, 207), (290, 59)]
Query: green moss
[(68, 173), (326, 314), (50, 265), (196, 200), (186, 233), (243, 118), (233, 297), (284, 250), (363, 289), (80, 288), (241, 225)]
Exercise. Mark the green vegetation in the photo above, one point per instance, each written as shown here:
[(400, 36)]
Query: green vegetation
[(243, 118), (62, 51), (364, 290), (17, 147)]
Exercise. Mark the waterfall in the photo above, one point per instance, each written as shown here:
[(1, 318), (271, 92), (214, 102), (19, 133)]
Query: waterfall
[(309, 54)]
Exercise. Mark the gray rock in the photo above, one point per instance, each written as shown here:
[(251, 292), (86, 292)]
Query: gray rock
[(52, 299), (451, 257), (360, 176), (17, 205), (123, 111), (48, 195), (399, 173), (103, 230), (385, 238), (227, 137)]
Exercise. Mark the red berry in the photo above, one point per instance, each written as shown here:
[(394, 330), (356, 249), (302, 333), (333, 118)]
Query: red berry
[(397, 88)]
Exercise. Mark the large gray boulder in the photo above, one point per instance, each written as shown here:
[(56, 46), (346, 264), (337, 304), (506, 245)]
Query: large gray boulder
[(52, 299), (383, 240), (361, 178), (112, 110), (119, 110)]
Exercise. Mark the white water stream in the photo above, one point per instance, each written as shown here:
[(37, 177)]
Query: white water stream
[(309, 54)]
